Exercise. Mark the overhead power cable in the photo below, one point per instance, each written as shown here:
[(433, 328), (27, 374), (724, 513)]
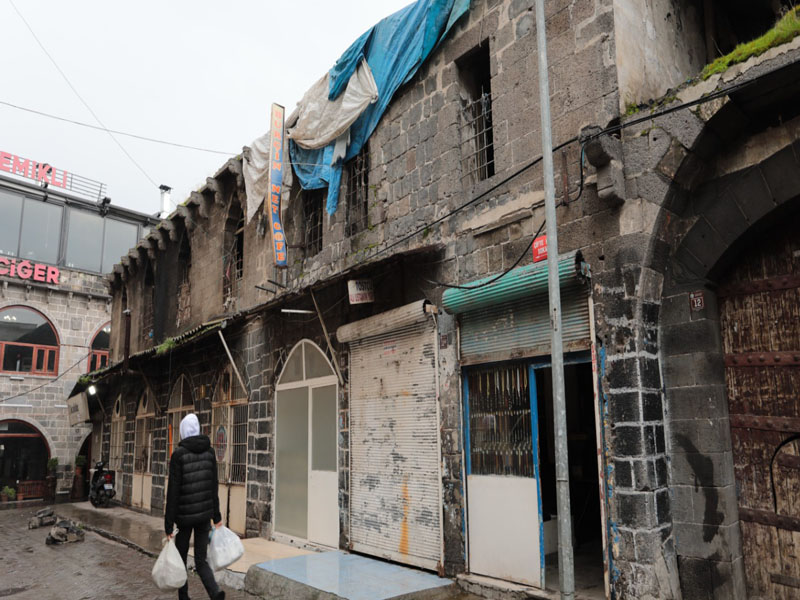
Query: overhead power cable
[(48, 382), (75, 91), (115, 131)]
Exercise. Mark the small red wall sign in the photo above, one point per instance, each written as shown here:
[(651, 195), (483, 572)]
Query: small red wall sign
[(25, 269), (540, 248)]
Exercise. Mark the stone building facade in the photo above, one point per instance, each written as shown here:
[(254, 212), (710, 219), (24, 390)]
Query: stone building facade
[(664, 203), (56, 313)]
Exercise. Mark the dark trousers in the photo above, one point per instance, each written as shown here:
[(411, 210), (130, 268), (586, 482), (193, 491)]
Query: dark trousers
[(200, 563)]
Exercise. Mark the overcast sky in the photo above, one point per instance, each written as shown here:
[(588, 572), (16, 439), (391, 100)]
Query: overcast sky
[(195, 72)]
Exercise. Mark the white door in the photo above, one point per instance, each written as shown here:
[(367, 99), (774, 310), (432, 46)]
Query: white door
[(306, 476), (395, 476), (506, 535), (323, 480)]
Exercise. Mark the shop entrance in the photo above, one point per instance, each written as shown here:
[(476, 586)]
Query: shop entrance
[(23, 459), (306, 480), (511, 491)]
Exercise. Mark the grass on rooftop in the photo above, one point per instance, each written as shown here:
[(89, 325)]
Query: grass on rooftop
[(784, 31)]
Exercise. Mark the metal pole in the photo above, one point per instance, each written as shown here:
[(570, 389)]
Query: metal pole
[(566, 573)]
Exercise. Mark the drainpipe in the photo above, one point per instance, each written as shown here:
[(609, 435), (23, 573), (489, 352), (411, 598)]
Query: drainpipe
[(566, 567), (127, 351)]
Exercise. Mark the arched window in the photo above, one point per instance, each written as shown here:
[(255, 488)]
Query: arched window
[(28, 342), (184, 283), (148, 306), (98, 357), (233, 259), (229, 427), (117, 438), (181, 403)]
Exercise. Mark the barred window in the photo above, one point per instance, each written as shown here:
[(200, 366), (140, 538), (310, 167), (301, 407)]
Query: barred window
[(181, 403), (117, 446), (143, 438), (148, 306), (356, 192), (233, 259), (313, 201), (229, 427), (184, 288), (477, 145)]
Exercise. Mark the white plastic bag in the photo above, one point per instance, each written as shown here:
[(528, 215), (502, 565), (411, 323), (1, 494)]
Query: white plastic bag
[(169, 572), (225, 549)]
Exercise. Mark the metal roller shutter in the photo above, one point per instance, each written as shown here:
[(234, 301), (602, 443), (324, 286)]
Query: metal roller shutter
[(395, 499)]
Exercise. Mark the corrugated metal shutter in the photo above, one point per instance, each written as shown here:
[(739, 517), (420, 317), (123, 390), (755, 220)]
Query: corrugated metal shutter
[(395, 499), (521, 328)]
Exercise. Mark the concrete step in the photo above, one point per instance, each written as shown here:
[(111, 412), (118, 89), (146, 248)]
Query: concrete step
[(339, 575)]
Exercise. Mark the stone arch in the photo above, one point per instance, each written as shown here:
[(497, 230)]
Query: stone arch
[(736, 174), (51, 447)]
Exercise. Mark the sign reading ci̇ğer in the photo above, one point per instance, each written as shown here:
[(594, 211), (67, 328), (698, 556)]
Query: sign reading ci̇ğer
[(10, 163), (274, 186), (25, 269)]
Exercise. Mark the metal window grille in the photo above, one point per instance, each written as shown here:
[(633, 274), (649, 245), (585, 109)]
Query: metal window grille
[(312, 210), (117, 448), (357, 192), (233, 264), (147, 319), (180, 405), (229, 429), (501, 440), (143, 447), (477, 145)]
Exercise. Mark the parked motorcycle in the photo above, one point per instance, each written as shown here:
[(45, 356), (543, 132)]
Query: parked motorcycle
[(101, 490)]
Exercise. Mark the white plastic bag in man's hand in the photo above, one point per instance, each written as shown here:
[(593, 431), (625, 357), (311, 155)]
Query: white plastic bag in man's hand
[(225, 548), (169, 572)]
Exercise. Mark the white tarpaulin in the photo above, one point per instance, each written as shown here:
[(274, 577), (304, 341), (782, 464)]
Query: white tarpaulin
[(318, 121), (255, 168)]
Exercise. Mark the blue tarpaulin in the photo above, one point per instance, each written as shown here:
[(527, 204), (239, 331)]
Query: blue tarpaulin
[(394, 49)]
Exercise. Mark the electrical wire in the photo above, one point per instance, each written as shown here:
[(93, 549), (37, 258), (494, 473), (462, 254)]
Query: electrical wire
[(117, 132), (496, 277), (50, 382), (584, 141), (75, 91)]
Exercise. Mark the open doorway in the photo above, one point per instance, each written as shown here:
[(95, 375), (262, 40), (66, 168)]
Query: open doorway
[(583, 476)]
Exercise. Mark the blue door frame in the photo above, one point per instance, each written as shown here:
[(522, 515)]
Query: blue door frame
[(532, 366)]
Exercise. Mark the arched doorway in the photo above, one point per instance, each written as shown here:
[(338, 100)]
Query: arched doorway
[(143, 451), (229, 438), (306, 482), (181, 403), (759, 308), (23, 459)]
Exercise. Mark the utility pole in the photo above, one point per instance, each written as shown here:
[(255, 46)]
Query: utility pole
[(566, 567)]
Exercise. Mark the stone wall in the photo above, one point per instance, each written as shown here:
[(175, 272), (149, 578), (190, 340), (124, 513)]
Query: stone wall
[(78, 309)]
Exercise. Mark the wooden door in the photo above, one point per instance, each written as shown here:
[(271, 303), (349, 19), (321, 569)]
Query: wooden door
[(760, 322)]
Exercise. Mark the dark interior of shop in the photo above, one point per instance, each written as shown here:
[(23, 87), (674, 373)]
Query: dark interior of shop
[(584, 486)]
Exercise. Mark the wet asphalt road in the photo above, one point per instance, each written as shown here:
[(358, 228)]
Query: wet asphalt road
[(95, 568)]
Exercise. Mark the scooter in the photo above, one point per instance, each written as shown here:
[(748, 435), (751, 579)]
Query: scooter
[(101, 490)]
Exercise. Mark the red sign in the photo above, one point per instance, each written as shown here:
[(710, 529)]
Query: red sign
[(540, 248), (42, 172), (25, 269), (697, 301)]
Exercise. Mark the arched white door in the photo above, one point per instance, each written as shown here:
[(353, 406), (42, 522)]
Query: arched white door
[(143, 451), (306, 481)]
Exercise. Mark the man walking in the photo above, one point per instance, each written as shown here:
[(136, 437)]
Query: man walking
[(193, 501)]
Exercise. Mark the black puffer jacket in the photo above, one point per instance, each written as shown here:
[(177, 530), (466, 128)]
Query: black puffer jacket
[(192, 496)]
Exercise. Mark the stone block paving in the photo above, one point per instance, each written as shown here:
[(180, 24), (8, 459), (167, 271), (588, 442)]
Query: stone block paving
[(94, 568)]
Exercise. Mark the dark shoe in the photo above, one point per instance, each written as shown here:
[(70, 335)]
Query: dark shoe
[(219, 596)]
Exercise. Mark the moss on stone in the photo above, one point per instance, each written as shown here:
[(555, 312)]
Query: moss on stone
[(166, 346), (784, 31)]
